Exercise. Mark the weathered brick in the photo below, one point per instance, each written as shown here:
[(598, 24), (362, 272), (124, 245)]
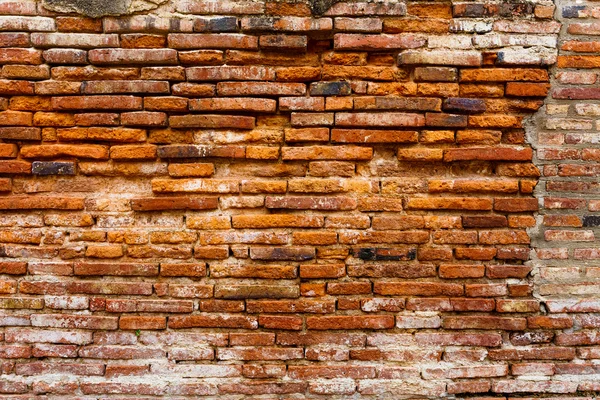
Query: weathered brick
[(173, 203), (233, 104), (350, 322), (65, 56), (211, 121), (345, 41), (379, 119), (441, 57), (504, 323), (74, 40), (52, 168), (295, 24), (373, 136), (58, 150), (102, 134), (307, 203), (457, 203), (417, 289), (212, 41), (132, 56), (283, 42), (503, 154), (327, 153), (78, 24), (195, 186), (20, 56), (229, 73), (97, 103), (74, 321), (21, 23), (93, 73), (106, 87), (260, 89)]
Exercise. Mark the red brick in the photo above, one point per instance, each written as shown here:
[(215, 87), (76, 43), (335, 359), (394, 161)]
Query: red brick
[(144, 118), (102, 134), (515, 205), (417, 289), (484, 323), (373, 136), (20, 56), (280, 322), (217, 321), (212, 41), (379, 42), (317, 271), (504, 74), (142, 323), (506, 154), (132, 56), (16, 39), (350, 322), (233, 104), (97, 103), (283, 42), (116, 269), (74, 321), (211, 121), (452, 271), (383, 119), (327, 153), (78, 24), (41, 202), (453, 203), (260, 89)]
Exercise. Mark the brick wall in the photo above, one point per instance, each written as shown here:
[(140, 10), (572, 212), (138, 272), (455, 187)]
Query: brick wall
[(240, 198), (566, 138)]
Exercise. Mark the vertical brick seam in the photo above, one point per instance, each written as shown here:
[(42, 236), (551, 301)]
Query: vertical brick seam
[(238, 199)]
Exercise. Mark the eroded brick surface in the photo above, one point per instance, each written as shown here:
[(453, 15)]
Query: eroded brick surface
[(241, 199)]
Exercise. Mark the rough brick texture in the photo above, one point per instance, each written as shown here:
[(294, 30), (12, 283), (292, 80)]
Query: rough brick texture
[(240, 199)]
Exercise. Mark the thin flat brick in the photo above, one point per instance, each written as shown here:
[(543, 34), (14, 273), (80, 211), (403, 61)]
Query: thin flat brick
[(174, 203), (52, 168), (132, 56), (74, 40), (212, 41), (97, 103), (441, 57), (211, 121)]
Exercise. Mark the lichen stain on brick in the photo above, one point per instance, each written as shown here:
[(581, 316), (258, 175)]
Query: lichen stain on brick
[(101, 8), (319, 7)]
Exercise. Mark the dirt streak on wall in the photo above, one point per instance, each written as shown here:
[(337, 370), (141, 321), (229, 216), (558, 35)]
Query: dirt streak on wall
[(268, 199)]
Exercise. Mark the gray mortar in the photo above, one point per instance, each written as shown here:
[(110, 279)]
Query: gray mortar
[(533, 125), (537, 233)]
